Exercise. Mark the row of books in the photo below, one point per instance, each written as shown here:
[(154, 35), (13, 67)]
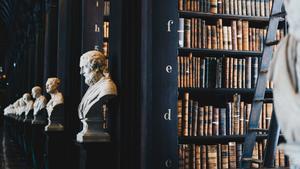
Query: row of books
[(232, 7), (106, 9), (223, 72), (106, 29), (238, 35), (105, 48), (195, 119), (222, 156)]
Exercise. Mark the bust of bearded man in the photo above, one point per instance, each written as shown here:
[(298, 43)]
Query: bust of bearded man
[(93, 106)]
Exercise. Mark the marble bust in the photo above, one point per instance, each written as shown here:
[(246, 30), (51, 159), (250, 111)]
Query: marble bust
[(101, 89), (55, 105), (19, 106), (28, 103), (40, 100), (9, 110), (56, 97)]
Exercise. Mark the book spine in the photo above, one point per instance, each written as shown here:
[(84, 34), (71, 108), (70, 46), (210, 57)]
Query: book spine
[(186, 114), (179, 109), (202, 72), (181, 32), (195, 118), (248, 3), (203, 157), (239, 7), (236, 9), (220, 6), (236, 114), (267, 9), (215, 122), (257, 7), (220, 35), (201, 121), (214, 43), (212, 156), (242, 119), (240, 74), (206, 116), (232, 155), (245, 35), (187, 33), (219, 73), (235, 73), (210, 120), (180, 5), (190, 118), (248, 72), (262, 8), (244, 7), (239, 153), (240, 35), (209, 33), (225, 156), (244, 73), (253, 7), (227, 6), (190, 73), (199, 33), (222, 114), (254, 72), (227, 72), (198, 157), (213, 6), (231, 6), (229, 36), (225, 38), (204, 35)]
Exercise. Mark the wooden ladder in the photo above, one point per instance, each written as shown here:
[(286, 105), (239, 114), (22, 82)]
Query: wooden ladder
[(259, 97)]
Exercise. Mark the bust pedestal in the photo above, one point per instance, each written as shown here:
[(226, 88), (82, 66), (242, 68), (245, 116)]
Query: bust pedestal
[(56, 139), (38, 139), (27, 130), (20, 129), (94, 141)]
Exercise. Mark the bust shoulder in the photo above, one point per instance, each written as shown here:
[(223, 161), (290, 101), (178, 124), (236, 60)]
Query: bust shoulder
[(108, 87)]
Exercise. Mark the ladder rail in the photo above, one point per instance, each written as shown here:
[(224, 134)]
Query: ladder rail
[(260, 88)]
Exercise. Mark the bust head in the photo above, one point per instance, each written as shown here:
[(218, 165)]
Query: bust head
[(92, 65), (293, 17), (36, 92), (26, 97), (52, 85)]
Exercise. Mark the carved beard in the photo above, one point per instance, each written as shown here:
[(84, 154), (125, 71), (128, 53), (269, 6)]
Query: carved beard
[(92, 78)]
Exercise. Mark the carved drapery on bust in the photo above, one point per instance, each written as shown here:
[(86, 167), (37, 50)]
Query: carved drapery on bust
[(55, 121), (92, 65)]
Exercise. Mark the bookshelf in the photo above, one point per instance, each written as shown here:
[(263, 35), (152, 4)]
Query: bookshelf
[(202, 140)]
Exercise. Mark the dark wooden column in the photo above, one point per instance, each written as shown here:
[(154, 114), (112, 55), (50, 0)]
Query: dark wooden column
[(143, 62), (68, 55), (50, 53)]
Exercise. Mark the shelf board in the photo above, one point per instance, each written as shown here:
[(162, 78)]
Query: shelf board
[(210, 140), (106, 39), (218, 52), (191, 14), (229, 91)]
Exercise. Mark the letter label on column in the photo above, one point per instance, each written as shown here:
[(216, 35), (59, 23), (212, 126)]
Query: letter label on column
[(167, 116), (168, 163), (169, 69), (170, 22)]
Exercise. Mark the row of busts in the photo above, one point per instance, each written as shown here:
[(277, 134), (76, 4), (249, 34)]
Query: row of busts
[(101, 92), (33, 107)]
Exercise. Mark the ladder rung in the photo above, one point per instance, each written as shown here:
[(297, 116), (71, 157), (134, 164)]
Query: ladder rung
[(264, 70), (279, 14), (271, 43), (258, 130), (253, 160)]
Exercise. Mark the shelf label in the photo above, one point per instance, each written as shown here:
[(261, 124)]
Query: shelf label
[(169, 69), (167, 116), (170, 23), (97, 28), (168, 163)]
